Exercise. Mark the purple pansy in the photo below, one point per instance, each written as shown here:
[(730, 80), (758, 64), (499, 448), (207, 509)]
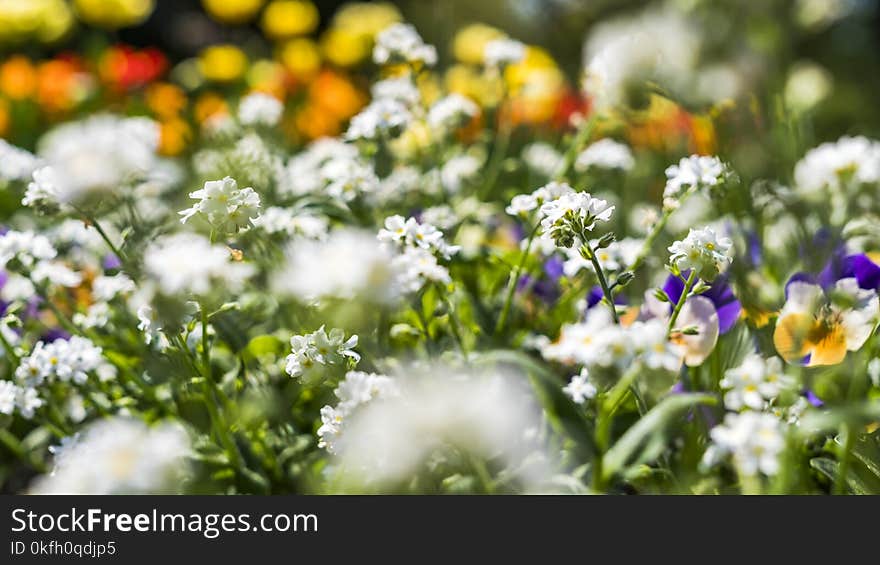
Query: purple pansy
[(720, 293)]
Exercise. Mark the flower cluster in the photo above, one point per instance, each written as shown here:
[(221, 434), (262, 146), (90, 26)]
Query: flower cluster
[(357, 389), (313, 355), (224, 205)]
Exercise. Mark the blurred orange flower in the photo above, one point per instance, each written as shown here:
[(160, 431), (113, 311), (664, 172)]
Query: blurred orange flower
[(165, 100), (18, 78)]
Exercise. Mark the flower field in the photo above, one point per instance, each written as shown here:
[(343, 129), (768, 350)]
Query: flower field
[(329, 249)]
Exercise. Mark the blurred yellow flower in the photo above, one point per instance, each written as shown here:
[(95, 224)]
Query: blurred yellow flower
[(165, 100), (366, 19), (472, 82), (113, 14), (223, 63), (344, 48), (232, 11), (283, 19), (301, 57), (469, 42), (18, 78), (414, 141), (44, 21), (174, 134)]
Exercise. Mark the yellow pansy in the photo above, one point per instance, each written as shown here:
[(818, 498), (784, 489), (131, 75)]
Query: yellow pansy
[(301, 57)]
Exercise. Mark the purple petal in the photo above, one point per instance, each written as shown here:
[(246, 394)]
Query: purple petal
[(866, 272), (812, 398), (720, 293), (54, 333), (553, 267), (111, 262)]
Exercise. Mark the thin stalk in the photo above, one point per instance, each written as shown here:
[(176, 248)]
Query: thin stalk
[(514, 277), (10, 351), (583, 136), (649, 242), (97, 225), (453, 323), (209, 389), (688, 285), (600, 274)]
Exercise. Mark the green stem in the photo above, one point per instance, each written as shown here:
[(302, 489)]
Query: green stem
[(514, 277), (583, 136), (849, 440), (688, 285), (97, 225), (10, 351), (600, 274), (502, 141), (453, 322), (649, 242), (211, 397)]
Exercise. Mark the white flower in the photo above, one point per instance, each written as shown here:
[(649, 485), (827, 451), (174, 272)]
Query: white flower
[(105, 288), (62, 360), (502, 52), (26, 248), (27, 401), (16, 164), (754, 383), (580, 389), (302, 175), (348, 264), (703, 251), (457, 170), (415, 267), (827, 165), (754, 439), (442, 216), (581, 343), (357, 389), (410, 232), (691, 174), (567, 217), (186, 263), (261, 109), (653, 346), (542, 158), (401, 43), (623, 55), (347, 178), (383, 117), (310, 353), (451, 111), (282, 220), (55, 272), (224, 205), (8, 397), (605, 154), (522, 205), (400, 89), (100, 153), (119, 456), (42, 192)]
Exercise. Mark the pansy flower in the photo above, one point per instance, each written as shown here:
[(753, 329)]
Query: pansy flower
[(818, 326)]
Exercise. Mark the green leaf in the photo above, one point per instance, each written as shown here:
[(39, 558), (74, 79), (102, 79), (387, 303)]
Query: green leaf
[(646, 440), (829, 467), (265, 345)]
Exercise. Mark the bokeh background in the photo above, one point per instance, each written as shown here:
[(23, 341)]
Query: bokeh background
[(780, 76)]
